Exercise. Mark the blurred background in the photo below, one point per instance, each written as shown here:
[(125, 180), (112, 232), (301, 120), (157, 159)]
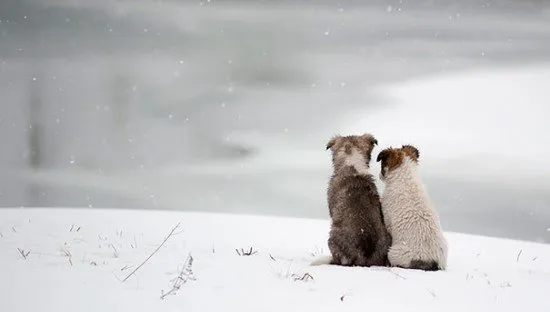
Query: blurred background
[(226, 105)]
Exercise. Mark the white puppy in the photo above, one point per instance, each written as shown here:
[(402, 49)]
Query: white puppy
[(417, 238)]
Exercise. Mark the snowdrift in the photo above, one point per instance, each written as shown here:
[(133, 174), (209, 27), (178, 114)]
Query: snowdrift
[(76, 260)]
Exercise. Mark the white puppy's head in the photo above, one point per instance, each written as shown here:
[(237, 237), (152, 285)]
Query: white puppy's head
[(393, 158)]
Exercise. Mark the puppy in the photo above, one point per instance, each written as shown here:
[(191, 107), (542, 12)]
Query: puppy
[(417, 238), (358, 236)]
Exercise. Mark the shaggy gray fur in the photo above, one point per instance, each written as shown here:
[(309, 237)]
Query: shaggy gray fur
[(358, 236)]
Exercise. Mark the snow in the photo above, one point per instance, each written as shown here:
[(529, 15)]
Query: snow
[(485, 123), (484, 274)]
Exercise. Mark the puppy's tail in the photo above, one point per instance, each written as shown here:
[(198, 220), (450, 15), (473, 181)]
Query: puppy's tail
[(321, 260), (431, 265)]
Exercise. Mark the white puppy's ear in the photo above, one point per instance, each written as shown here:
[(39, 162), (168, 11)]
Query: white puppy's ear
[(383, 155), (411, 151)]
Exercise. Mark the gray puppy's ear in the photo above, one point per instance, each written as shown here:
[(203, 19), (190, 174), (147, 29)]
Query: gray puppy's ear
[(371, 139), (332, 141)]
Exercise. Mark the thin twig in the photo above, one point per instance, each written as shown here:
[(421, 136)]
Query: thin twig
[(519, 254), (396, 274), (153, 253), (272, 258)]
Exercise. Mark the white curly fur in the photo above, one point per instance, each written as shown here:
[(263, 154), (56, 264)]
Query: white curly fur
[(410, 218)]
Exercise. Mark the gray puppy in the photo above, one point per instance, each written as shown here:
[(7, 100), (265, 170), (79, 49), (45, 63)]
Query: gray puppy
[(358, 235)]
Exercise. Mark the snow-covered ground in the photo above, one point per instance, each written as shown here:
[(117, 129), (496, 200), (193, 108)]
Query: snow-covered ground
[(76, 260)]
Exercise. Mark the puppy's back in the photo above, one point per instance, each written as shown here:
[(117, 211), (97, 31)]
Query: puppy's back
[(358, 234)]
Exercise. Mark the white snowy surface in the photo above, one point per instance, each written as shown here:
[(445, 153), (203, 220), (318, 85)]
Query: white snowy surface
[(485, 125), (484, 274)]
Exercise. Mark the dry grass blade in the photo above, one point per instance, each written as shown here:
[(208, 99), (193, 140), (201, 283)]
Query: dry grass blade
[(67, 253), (23, 253), (153, 253), (185, 275), (249, 252), (519, 255), (115, 251), (304, 278), (134, 245), (74, 228)]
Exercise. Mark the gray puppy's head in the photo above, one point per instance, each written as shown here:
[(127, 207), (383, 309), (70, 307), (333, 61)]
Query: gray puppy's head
[(352, 150)]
